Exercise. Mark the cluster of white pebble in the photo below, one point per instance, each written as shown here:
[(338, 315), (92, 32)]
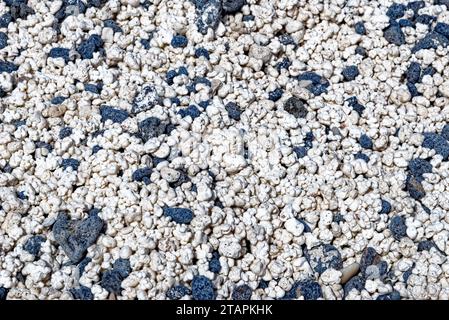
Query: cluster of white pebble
[(224, 149)]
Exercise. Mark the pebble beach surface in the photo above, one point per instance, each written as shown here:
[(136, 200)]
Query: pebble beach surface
[(224, 149)]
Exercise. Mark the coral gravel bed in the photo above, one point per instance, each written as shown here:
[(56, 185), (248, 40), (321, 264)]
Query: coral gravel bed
[(224, 149)]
